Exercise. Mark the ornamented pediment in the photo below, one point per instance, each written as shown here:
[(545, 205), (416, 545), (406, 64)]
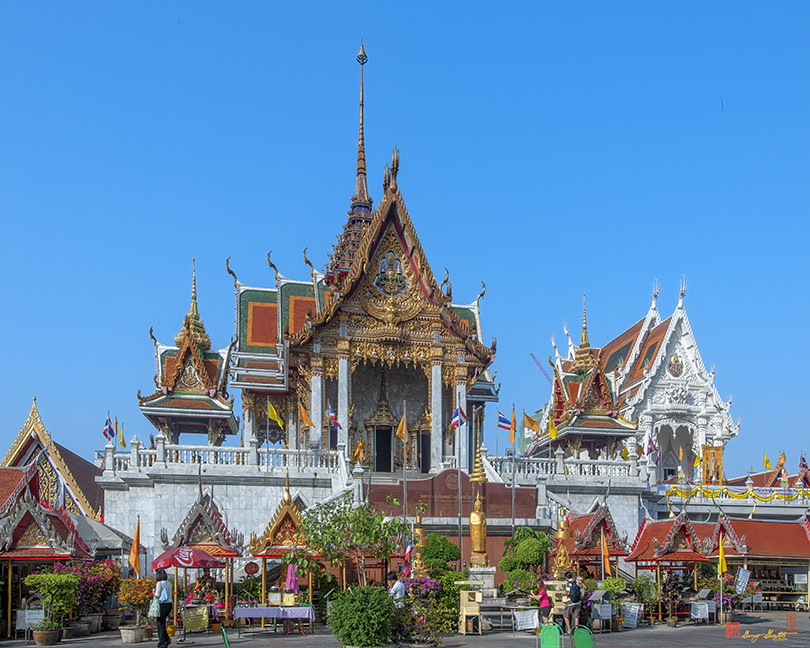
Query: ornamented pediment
[(29, 525), (681, 537), (281, 532), (203, 524), (589, 538), (730, 537)]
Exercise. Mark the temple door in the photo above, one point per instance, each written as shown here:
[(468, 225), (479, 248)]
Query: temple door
[(382, 449)]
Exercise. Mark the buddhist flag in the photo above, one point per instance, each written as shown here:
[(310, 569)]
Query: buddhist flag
[(304, 417), (121, 435), (273, 415), (530, 423), (402, 428), (697, 461), (512, 427), (625, 454), (680, 454), (135, 552), (766, 462), (605, 554), (721, 565), (552, 429)]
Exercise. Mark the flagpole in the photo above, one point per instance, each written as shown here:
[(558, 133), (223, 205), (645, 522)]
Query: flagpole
[(405, 462), (458, 474), (514, 466)]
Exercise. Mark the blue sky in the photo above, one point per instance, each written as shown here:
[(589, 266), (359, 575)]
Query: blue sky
[(548, 148)]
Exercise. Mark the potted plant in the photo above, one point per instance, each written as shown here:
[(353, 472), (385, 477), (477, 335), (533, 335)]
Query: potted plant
[(671, 588), (646, 593), (135, 594), (362, 616), (46, 632), (58, 593)]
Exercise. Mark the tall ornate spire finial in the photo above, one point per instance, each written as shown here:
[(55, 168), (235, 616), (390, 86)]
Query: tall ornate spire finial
[(583, 358), (682, 292), (655, 293), (361, 201), (192, 322)]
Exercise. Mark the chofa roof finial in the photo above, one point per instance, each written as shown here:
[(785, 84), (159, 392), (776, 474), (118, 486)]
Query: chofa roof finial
[(682, 292), (392, 185), (655, 293)]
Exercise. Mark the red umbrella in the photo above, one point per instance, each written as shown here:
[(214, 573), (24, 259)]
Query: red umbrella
[(185, 557)]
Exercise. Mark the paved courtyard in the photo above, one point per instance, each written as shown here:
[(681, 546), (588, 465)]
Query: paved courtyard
[(761, 629)]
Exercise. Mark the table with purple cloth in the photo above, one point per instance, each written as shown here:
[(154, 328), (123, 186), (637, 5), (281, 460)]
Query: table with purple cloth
[(275, 612)]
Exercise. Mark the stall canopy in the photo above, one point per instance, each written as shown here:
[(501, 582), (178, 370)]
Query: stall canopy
[(104, 539), (187, 557)]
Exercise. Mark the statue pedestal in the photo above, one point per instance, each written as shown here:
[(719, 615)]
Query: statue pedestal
[(487, 577)]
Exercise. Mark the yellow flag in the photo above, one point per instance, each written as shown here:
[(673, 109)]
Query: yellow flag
[(721, 565), (680, 454), (697, 461), (552, 429), (512, 427), (766, 463), (302, 414), (625, 454), (529, 422), (402, 429), (273, 415), (135, 552), (606, 554), (121, 436)]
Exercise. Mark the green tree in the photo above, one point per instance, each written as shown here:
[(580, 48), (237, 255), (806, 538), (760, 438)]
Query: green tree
[(439, 551), (525, 550), (59, 593), (343, 533)]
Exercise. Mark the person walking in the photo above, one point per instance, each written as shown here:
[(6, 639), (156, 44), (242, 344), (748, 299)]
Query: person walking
[(163, 593), (543, 600), (572, 606)]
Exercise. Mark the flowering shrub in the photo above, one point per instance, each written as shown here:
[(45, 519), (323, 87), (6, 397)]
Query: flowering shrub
[(421, 586), (136, 594), (729, 598), (522, 580), (99, 581), (418, 621)]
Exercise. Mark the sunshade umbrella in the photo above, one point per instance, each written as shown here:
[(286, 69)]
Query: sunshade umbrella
[(185, 557)]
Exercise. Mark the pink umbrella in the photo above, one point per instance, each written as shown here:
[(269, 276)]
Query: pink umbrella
[(185, 557), (292, 579)]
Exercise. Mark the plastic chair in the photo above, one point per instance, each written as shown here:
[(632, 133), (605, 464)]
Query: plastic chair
[(551, 636), (582, 637)]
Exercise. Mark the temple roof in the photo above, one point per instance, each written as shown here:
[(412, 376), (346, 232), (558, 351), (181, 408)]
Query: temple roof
[(204, 528), (191, 380), (78, 475), (667, 541), (31, 532), (280, 534)]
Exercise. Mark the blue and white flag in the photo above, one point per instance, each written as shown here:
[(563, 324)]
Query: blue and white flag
[(108, 430), (458, 419), (503, 422)]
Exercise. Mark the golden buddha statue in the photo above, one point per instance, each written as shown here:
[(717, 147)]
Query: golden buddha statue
[(478, 535), (562, 561), (360, 452)]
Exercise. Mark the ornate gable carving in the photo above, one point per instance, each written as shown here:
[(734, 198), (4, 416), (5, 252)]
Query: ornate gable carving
[(203, 524), (282, 529), (681, 537), (601, 516), (730, 537)]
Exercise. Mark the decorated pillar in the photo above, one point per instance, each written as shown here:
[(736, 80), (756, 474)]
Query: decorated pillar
[(316, 401), (343, 391), (436, 430), (463, 432)]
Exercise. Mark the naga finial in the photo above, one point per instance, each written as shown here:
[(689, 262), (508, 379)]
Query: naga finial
[(481, 294), (231, 272), (446, 279), (309, 263), (152, 335), (394, 170), (272, 265)]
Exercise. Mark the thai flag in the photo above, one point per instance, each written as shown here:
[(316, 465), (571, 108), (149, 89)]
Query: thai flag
[(652, 448), (108, 430), (503, 422), (333, 419), (458, 419), (803, 462), (406, 558)]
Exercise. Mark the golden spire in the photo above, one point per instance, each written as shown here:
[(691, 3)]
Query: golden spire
[(192, 324), (478, 476), (287, 498), (583, 358), (361, 202)]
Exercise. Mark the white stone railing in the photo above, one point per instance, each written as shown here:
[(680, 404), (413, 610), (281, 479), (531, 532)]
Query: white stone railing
[(529, 469), (138, 458)]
